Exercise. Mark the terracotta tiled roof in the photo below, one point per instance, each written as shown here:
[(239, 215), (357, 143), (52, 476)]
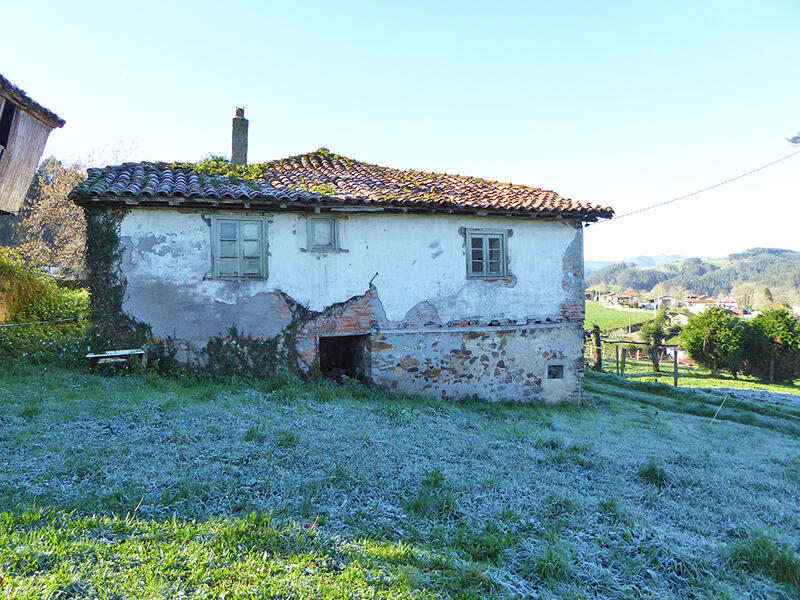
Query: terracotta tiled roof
[(320, 178), (21, 99)]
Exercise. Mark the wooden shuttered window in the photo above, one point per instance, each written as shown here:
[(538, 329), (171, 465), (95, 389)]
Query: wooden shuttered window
[(487, 254), (239, 248)]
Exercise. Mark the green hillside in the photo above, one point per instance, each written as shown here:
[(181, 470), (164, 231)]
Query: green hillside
[(717, 276)]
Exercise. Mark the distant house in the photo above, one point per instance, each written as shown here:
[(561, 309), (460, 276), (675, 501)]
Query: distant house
[(435, 284), (698, 303), (696, 299), (666, 301), (679, 319), (619, 298), (627, 298), (727, 303), (24, 129)]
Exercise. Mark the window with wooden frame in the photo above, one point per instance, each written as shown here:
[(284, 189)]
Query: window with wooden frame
[(322, 234), (6, 120), (487, 254), (239, 247)]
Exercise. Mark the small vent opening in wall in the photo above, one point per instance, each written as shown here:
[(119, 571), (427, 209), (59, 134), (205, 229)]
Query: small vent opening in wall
[(555, 372), (345, 355)]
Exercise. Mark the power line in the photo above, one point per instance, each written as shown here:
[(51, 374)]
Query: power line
[(705, 189)]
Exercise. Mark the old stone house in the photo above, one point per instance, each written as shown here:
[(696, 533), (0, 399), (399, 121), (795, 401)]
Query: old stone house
[(442, 285)]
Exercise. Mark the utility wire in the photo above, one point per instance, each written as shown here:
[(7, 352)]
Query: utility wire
[(711, 187)]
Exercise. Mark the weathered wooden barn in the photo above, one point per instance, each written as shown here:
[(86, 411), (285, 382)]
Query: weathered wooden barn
[(24, 128), (436, 284)]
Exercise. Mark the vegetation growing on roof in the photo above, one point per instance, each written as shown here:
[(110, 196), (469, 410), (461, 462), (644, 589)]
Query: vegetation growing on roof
[(219, 166)]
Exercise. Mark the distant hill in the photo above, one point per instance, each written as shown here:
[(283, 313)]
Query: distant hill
[(762, 266), (639, 261)]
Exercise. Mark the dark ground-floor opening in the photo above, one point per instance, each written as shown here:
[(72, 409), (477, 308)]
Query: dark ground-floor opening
[(345, 355)]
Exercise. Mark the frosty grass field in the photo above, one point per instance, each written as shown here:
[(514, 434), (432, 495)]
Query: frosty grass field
[(146, 487)]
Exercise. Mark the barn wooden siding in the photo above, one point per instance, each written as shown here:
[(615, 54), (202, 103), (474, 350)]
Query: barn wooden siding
[(19, 160)]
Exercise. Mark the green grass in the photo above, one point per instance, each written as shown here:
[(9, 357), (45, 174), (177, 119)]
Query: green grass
[(761, 553), (608, 319), (689, 376), (654, 473), (146, 487)]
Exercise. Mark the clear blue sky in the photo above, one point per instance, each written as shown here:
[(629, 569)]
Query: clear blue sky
[(617, 103)]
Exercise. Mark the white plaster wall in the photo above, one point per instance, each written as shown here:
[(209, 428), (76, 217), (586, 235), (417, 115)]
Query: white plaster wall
[(417, 258)]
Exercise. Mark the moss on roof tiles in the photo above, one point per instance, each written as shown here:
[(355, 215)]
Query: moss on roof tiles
[(322, 175)]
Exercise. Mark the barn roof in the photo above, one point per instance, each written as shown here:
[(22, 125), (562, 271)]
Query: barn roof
[(21, 99), (319, 178)]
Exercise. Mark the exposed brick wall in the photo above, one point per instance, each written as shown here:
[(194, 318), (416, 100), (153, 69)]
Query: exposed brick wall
[(573, 308), (488, 359), (413, 355)]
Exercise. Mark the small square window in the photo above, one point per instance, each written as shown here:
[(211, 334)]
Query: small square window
[(238, 247), (322, 235), (487, 256), (555, 371)]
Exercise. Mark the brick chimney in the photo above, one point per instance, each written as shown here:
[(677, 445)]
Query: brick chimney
[(239, 139)]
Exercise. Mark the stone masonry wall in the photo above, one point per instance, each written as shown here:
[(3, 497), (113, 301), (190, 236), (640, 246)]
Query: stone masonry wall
[(496, 364)]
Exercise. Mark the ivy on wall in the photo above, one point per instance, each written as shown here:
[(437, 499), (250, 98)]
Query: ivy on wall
[(111, 328), (301, 316)]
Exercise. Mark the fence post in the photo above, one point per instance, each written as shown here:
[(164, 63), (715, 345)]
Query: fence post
[(675, 364), (622, 364), (616, 359), (598, 349)]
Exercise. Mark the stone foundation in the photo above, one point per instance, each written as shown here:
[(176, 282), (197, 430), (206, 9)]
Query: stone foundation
[(492, 363)]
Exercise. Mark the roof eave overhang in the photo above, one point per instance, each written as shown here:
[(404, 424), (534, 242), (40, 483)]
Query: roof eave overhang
[(278, 204), (41, 114)]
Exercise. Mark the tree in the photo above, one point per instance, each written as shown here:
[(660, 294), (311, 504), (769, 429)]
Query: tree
[(653, 333), (768, 297), (744, 293), (772, 346), (713, 339), (51, 229)]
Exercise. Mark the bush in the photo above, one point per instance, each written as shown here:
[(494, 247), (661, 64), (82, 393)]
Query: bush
[(162, 357), (772, 346), (28, 296), (653, 333), (713, 339), (238, 354)]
